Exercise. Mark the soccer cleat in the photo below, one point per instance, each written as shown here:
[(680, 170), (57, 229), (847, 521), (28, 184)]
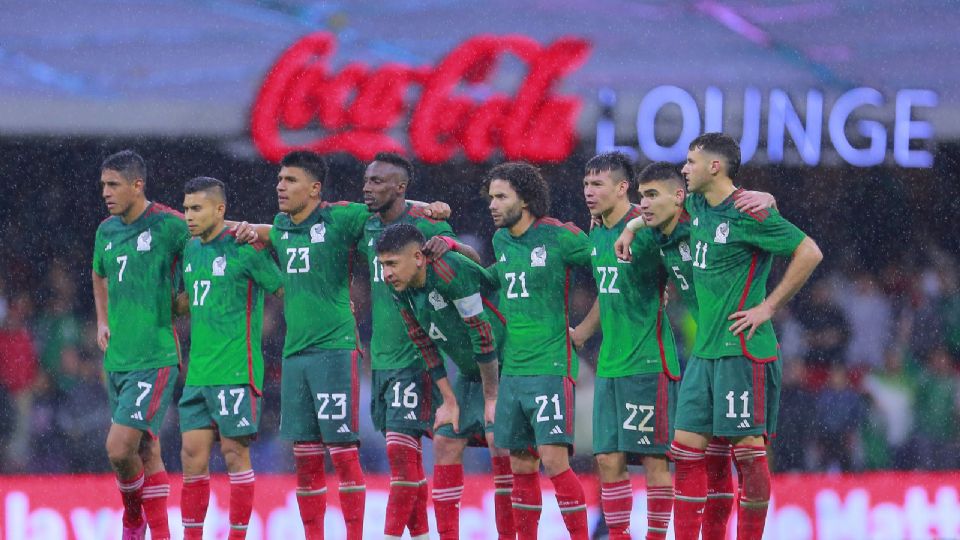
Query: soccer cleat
[(135, 533)]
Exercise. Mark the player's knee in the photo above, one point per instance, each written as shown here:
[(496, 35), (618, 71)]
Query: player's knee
[(555, 463), (120, 450), (610, 464), (447, 451), (234, 454)]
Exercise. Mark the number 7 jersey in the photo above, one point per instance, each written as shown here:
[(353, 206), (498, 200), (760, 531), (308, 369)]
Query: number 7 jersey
[(533, 271)]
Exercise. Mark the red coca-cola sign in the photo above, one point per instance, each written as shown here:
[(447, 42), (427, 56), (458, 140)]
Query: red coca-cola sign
[(356, 109)]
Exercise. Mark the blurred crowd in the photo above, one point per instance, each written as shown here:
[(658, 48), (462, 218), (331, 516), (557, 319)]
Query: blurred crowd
[(870, 381)]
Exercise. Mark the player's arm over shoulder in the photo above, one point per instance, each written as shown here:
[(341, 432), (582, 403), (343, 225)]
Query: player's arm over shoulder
[(575, 244), (259, 266), (771, 232)]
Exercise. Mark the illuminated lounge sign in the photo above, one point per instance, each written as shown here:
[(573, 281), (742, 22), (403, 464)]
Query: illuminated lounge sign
[(437, 113)]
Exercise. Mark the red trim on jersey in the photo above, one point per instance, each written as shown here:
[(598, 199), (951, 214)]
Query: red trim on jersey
[(494, 309), (253, 404), (428, 350), (173, 316), (253, 382), (426, 406), (483, 329), (328, 204), (633, 212), (661, 421), (568, 385), (684, 216), (759, 215), (354, 392), (163, 376), (663, 353), (743, 300), (157, 208), (566, 319), (759, 393), (443, 270), (356, 323), (546, 220)]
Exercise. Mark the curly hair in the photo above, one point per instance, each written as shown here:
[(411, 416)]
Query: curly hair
[(527, 181)]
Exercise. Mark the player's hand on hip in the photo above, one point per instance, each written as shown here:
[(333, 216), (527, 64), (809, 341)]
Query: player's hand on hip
[(438, 210), (448, 413), (750, 319), (622, 245), (103, 337), (489, 411), (754, 201), (245, 233)]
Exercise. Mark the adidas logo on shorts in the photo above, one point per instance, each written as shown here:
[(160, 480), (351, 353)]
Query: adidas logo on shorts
[(343, 429), (410, 416), (243, 422), (556, 431), (137, 415), (743, 425), (644, 440)]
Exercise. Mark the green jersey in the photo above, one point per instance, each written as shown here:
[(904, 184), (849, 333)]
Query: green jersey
[(315, 257), (675, 254), (451, 312), (732, 254), (225, 283), (636, 333), (140, 262), (390, 346), (533, 271)]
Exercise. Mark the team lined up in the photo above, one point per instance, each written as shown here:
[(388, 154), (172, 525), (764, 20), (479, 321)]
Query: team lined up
[(506, 328)]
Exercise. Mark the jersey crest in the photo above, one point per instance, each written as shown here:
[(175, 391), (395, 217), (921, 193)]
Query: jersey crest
[(143, 241), (436, 300), (684, 252), (317, 232), (723, 230), (219, 266), (538, 257)]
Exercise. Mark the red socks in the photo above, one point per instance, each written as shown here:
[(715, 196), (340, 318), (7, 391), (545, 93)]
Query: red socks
[(752, 462), (156, 489), (573, 504), (447, 491), (503, 485), (403, 453), (690, 491), (616, 499), (353, 491), (131, 492), (527, 503), (659, 508), (418, 524), (241, 503), (719, 505), (311, 488), (194, 499)]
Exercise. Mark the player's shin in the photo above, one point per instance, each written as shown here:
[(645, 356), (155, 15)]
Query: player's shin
[(690, 490), (311, 487), (752, 513), (194, 499), (503, 484), (527, 504), (447, 491), (353, 494), (403, 455), (156, 489), (720, 490)]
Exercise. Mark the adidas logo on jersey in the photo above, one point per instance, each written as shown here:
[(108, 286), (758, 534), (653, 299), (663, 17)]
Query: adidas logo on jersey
[(644, 440), (556, 431), (594, 252), (109, 246), (503, 257), (410, 416), (188, 269), (743, 425), (370, 243), (243, 422), (696, 222), (137, 415), (285, 236), (343, 429)]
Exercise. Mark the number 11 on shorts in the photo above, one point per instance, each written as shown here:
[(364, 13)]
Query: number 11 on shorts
[(744, 397)]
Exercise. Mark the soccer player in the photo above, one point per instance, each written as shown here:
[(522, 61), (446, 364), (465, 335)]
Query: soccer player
[(726, 389), (664, 219), (134, 284), (534, 415), (635, 393), (443, 305), (224, 283), (403, 395)]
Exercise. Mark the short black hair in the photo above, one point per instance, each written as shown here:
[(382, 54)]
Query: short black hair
[(615, 162), (128, 163), (527, 181), (660, 170), (206, 184), (397, 160), (398, 236), (724, 145), (311, 162)]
